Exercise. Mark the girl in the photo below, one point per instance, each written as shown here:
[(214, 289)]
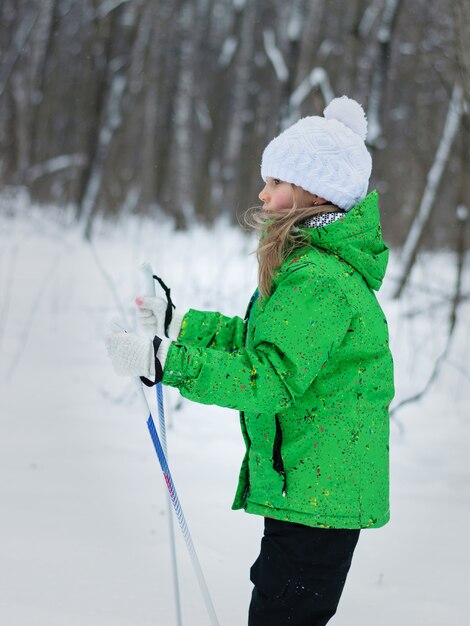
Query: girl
[(309, 367)]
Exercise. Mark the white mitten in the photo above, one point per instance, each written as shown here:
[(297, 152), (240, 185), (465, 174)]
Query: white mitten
[(132, 355), (151, 314)]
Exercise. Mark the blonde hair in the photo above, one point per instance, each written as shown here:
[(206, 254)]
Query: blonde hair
[(277, 238)]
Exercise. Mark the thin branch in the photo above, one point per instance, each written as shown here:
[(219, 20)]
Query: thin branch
[(453, 313), (36, 301), (433, 290), (435, 305), (6, 292), (451, 127), (318, 77), (110, 283)]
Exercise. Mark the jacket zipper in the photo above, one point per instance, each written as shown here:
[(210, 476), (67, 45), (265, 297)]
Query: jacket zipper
[(250, 305)]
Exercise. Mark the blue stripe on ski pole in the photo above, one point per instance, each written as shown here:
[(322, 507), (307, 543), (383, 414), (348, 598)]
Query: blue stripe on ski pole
[(157, 445), (161, 418), (181, 519), (169, 481)]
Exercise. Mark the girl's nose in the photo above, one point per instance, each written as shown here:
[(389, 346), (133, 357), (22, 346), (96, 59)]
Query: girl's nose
[(262, 195)]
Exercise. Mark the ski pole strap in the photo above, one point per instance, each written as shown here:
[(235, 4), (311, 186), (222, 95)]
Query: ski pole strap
[(169, 306), (158, 366)]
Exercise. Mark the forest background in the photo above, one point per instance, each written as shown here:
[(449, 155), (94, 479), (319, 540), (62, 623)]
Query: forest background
[(144, 107)]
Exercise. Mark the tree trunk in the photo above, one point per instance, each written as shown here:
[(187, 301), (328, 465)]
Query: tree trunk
[(461, 11)]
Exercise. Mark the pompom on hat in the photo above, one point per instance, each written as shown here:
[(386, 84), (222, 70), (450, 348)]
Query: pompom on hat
[(326, 156)]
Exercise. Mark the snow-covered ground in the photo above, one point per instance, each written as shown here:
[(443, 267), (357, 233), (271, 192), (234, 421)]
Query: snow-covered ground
[(83, 528)]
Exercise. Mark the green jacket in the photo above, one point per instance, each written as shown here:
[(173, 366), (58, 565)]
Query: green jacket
[(311, 373)]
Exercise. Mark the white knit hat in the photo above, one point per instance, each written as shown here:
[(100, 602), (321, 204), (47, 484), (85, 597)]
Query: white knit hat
[(326, 155)]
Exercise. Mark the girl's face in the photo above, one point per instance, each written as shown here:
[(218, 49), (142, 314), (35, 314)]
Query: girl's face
[(279, 196), (276, 195)]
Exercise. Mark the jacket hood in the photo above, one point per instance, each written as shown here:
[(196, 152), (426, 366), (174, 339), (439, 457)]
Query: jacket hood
[(357, 239)]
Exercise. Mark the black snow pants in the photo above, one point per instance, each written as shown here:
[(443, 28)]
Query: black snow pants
[(300, 574)]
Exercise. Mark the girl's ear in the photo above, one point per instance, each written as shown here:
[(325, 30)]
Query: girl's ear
[(305, 198)]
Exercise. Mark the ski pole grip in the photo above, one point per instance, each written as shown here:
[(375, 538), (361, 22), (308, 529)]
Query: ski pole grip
[(149, 276), (149, 283)]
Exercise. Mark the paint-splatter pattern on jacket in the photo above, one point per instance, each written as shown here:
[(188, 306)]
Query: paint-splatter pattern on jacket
[(311, 373)]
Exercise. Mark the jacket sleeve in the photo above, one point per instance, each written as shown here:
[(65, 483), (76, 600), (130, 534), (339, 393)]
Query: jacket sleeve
[(209, 329), (302, 324)]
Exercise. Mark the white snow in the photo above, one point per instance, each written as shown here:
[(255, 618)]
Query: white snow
[(83, 532)]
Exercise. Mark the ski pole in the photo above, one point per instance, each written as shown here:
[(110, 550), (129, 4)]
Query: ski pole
[(162, 458), (173, 493), (150, 291)]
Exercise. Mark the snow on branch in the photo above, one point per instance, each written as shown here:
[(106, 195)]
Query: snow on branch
[(462, 213), (385, 31), (318, 77), (108, 6), (56, 164), (451, 127), (294, 27), (227, 52), (275, 56), (239, 5), (368, 19)]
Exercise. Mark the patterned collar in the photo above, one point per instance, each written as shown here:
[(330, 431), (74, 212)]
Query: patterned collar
[(323, 219)]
